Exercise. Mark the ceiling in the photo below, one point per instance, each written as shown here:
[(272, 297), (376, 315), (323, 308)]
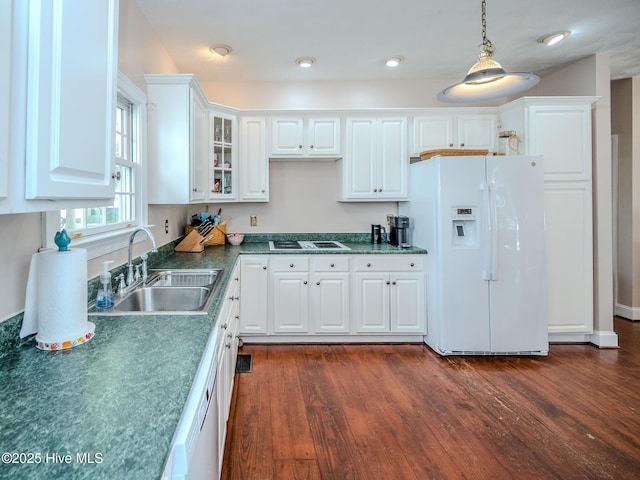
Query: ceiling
[(350, 38)]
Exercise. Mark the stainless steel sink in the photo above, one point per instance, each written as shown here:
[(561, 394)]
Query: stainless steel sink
[(165, 299), (182, 278), (175, 291)]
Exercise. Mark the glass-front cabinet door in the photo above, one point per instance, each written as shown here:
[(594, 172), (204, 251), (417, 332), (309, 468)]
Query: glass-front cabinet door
[(223, 165)]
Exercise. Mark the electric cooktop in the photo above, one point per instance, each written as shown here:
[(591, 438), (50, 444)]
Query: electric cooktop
[(306, 245)]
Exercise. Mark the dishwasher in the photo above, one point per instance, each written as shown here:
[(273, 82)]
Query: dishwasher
[(194, 448)]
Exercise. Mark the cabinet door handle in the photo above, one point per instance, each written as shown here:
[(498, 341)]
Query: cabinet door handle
[(451, 144), (318, 283), (300, 146), (462, 144), (231, 297), (228, 345), (236, 298), (388, 282), (223, 326), (292, 265), (412, 264), (375, 190), (262, 191), (332, 265), (368, 264), (115, 175), (264, 268), (393, 283), (305, 282), (310, 146)]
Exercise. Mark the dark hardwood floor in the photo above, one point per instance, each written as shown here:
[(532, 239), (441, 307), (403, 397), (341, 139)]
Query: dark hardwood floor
[(402, 412)]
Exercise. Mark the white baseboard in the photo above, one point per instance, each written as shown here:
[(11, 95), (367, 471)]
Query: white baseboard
[(598, 338), (605, 339), (569, 337), (630, 313)]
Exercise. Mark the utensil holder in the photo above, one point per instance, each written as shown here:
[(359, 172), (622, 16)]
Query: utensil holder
[(218, 234), (191, 243)]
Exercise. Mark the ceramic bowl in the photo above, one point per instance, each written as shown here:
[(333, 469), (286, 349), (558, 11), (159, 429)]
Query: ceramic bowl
[(235, 239)]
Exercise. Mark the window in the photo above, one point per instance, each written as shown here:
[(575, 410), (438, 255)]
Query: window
[(122, 213), (103, 230)]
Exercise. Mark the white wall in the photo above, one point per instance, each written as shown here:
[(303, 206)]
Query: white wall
[(329, 95), (625, 123), (303, 198)]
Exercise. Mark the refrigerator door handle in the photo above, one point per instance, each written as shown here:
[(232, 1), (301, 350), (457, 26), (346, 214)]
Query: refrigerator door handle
[(486, 232), (493, 212)]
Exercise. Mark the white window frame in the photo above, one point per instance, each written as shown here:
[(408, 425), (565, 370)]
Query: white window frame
[(99, 244)]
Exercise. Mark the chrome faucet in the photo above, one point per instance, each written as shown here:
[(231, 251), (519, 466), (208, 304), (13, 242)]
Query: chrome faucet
[(130, 276)]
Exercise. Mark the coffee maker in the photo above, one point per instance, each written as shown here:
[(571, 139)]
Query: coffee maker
[(398, 227)]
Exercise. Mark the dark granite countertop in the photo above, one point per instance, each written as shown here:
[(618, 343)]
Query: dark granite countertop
[(109, 408)]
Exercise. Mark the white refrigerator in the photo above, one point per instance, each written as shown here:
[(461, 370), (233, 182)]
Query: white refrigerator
[(481, 220)]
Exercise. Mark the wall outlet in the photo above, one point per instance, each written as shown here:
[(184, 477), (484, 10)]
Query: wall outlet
[(166, 226), (253, 220)]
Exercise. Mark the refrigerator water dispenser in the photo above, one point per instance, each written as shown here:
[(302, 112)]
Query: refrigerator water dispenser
[(465, 231)]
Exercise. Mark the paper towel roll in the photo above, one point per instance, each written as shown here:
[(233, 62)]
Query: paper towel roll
[(56, 299)]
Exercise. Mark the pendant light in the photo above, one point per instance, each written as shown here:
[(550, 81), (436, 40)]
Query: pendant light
[(486, 79)]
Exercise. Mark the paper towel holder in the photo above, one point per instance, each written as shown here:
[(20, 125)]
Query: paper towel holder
[(62, 240)]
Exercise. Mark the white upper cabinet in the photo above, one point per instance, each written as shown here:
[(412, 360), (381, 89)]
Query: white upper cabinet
[(71, 85), (58, 90), (223, 157), (5, 91), (199, 131), (454, 129), (254, 163), (298, 137), (376, 162), (177, 140)]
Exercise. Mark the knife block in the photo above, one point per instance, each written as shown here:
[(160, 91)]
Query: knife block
[(191, 243)]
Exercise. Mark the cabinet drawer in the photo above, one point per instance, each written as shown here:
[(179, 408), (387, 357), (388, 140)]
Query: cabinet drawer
[(289, 263), (325, 263), (389, 263)]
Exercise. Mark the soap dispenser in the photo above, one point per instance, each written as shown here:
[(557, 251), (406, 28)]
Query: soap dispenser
[(104, 299)]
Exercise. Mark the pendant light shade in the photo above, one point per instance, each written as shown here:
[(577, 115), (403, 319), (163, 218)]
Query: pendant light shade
[(486, 79)]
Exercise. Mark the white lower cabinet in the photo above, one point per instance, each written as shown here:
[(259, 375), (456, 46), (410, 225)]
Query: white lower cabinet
[(329, 294), (253, 285), (289, 280), (336, 295), (389, 302), (227, 351), (390, 294)]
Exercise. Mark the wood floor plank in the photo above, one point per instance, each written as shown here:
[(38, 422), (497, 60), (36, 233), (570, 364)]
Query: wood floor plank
[(296, 470), (289, 423), (250, 440), (402, 412)]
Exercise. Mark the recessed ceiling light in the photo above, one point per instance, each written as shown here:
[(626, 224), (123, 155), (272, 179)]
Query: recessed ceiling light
[(553, 38), (393, 61), (305, 62), (220, 50)]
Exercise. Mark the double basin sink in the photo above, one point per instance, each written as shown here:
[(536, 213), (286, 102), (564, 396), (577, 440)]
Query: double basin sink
[(167, 291)]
